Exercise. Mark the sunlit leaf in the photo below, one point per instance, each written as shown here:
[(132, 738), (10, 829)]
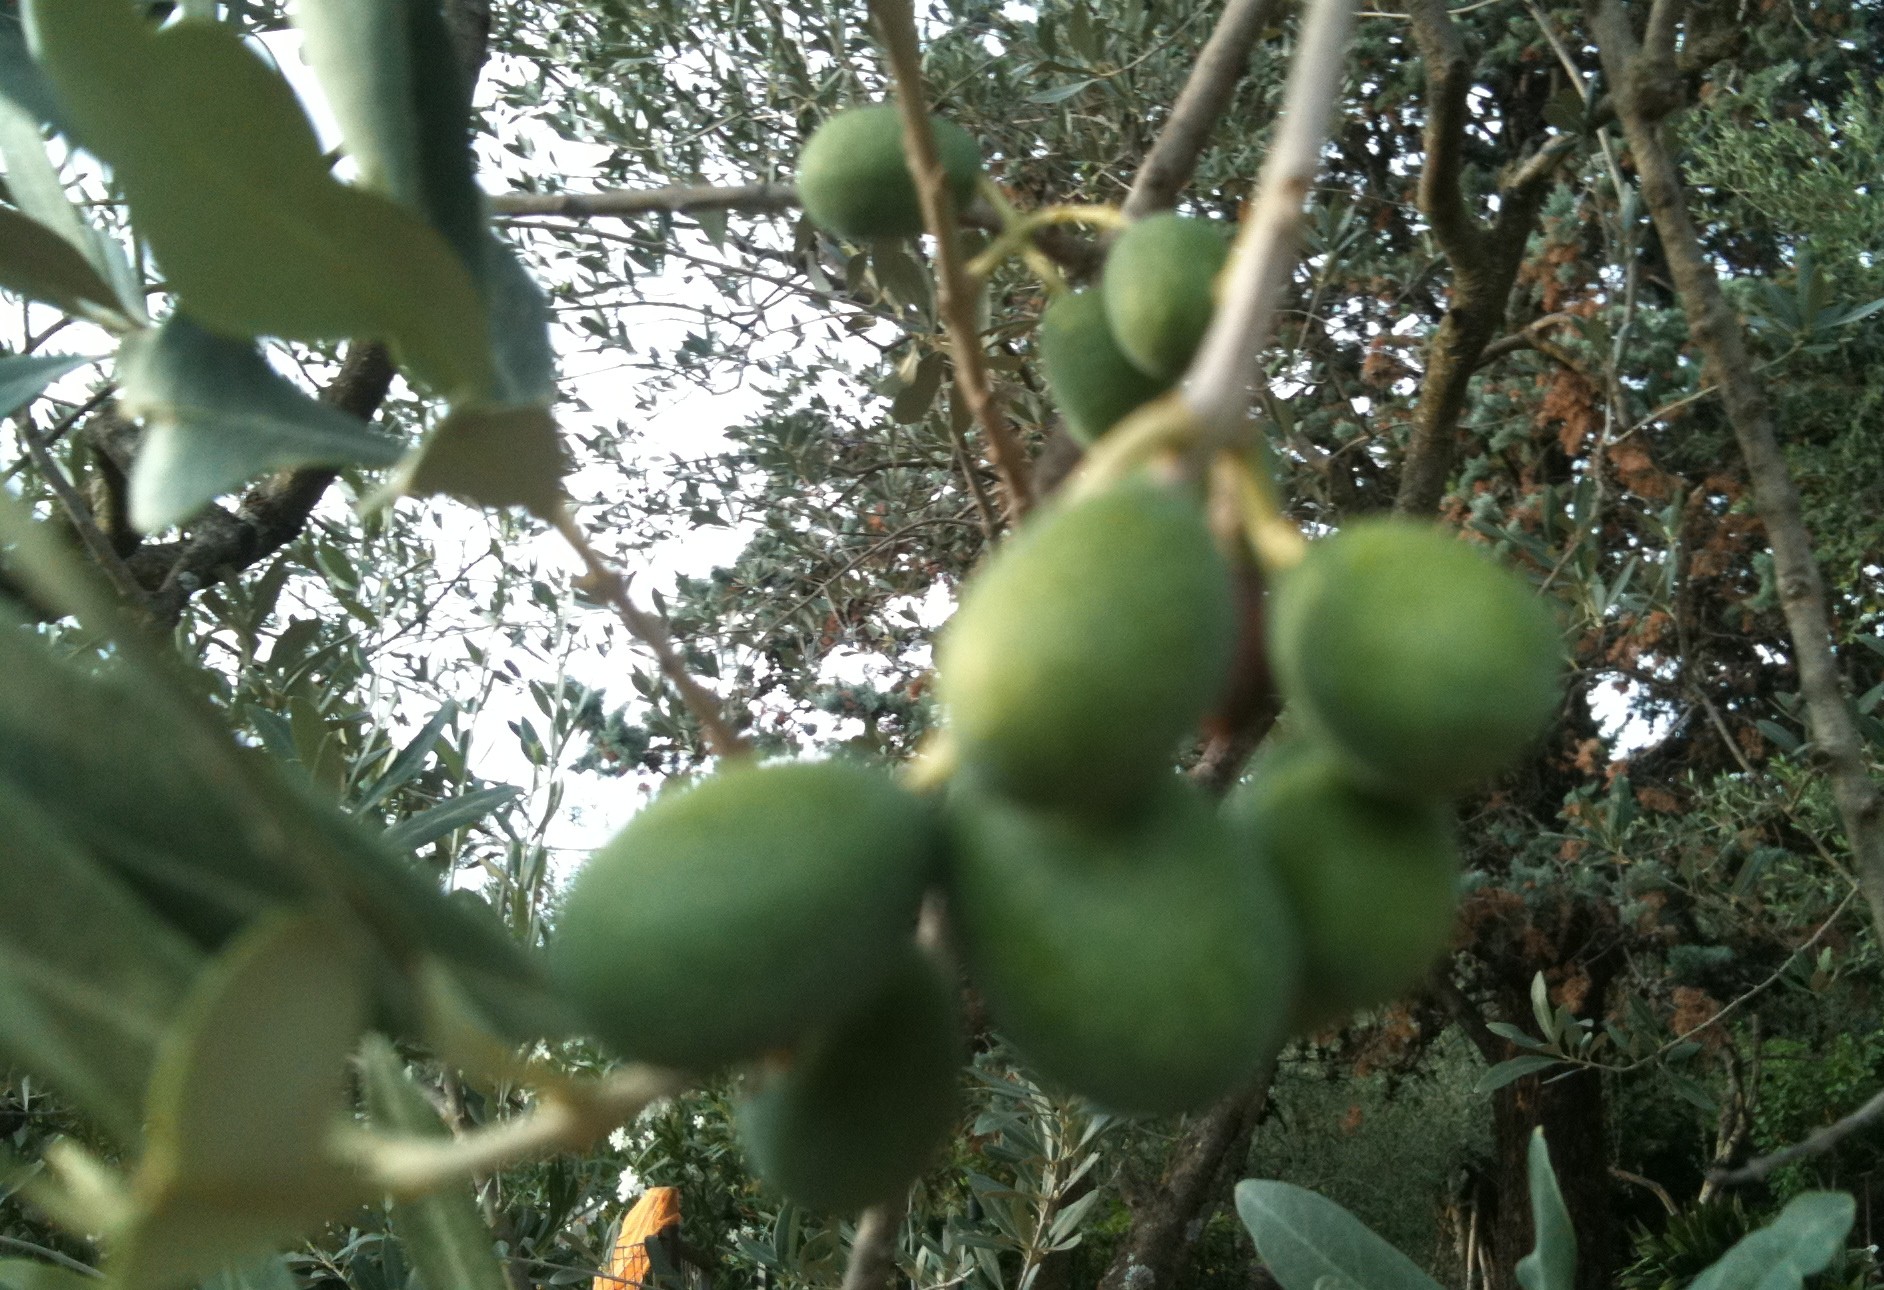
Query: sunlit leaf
[(228, 185), (37, 263)]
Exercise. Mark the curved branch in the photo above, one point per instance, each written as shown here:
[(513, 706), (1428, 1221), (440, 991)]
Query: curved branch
[(1448, 83)]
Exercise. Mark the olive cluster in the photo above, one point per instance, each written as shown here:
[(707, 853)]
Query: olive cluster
[(1137, 941), (1116, 346)]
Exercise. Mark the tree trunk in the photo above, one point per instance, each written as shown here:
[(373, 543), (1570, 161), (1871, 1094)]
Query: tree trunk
[(1573, 1114)]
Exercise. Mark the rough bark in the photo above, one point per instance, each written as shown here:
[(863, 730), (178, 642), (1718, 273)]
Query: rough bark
[(1648, 86), (1166, 1226), (1484, 257)]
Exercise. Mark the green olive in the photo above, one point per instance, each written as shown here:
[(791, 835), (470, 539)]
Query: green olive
[(1160, 283), (854, 181), (1149, 967), (1087, 646), (729, 918), (1373, 880), (866, 1102), (1428, 665)]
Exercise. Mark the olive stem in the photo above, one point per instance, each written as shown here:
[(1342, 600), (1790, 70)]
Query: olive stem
[(608, 585), (1229, 362), (570, 1118), (956, 291), (1018, 230), (1277, 543)]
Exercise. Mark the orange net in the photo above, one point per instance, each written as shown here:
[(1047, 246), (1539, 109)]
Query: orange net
[(627, 1266)]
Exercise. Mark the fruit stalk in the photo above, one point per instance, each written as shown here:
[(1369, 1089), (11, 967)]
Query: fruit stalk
[(609, 586), (1229, 363), (955, 292)]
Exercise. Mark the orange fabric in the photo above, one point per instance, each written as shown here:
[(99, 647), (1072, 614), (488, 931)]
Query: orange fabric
[(627, 1267)]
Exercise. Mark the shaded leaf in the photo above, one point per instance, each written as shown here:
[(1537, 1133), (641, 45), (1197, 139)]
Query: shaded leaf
[(21, 82), (23, 376), (411, 759), (1552, 1262), (1306, 1239), (1508, 1071), (444, 1233), (228, 185), (90, 979), (393, 78), (447, 817), (1803, 1240), (489, 456), (217, 415), (37, 263), (27, 1274)]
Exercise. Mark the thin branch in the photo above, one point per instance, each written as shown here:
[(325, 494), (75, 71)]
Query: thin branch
[(1525, 338), (608, 585), (566, 1119), (1229, 362), (1202, 103), (97, 545), (873, 1248), (628, 203), (1816, 1145), (1647, 1184), (955, 292), (1715, 330)]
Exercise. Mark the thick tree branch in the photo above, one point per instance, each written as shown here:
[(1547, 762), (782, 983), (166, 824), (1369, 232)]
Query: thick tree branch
[(1484, 258), (1155, 1250), (1200, 105), (955, 292), (1716, 332), (1448, 84)]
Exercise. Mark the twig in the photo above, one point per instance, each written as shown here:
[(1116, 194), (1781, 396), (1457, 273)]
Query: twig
[(52, 1255), (1229, 361), (608, 585), (873, 1248), (955, 292), (1648, 1184), (1715, 329), (627, 203), (568, 1118), (1816, 1145), (1200, 105), (1524, 338), (96, 543)]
